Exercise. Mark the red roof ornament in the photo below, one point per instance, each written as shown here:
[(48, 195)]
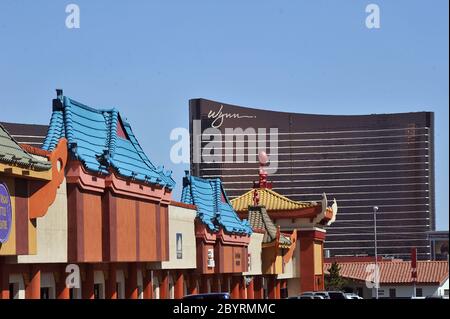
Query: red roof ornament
[(263, 162)]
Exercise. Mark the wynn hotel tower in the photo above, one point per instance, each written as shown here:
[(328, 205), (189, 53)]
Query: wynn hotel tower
[(383, 160)]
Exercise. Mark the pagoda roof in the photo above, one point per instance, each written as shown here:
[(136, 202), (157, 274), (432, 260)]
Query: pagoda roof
[(12, 154), (213, 206), (260, 220), (103, 142), (270, 199)]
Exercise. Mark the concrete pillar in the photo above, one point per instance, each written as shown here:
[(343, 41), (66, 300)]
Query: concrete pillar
[(33, 287)]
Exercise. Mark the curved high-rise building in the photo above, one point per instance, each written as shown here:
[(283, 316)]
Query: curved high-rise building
[(383, 160)]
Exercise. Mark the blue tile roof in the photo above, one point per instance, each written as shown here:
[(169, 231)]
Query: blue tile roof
[(213, 207), (93, 139)]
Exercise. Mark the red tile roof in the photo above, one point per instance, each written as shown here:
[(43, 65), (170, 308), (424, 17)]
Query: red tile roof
[(396, 272)]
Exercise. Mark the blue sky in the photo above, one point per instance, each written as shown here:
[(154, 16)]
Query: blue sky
[(148, 58)]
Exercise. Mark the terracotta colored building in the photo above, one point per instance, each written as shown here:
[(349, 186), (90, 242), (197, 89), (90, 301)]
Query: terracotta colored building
[(90, 216), (29, 180), (289, 224), (222, 238)]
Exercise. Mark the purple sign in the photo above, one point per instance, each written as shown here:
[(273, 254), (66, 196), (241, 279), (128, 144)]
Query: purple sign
[(5, 213)]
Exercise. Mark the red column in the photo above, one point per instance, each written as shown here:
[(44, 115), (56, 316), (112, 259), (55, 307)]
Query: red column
[(148, 285), (242, 294), (251, 289), (4, 281), (33, 289), (193, 285), (307, 240), (259, 293), (87, 287), (179, 285), (131, 289), (111, 282), (204, 284), (277, 289), (283, 285), (235, 289), (164, 285), (271, 286), (215, 283), (62, 291)]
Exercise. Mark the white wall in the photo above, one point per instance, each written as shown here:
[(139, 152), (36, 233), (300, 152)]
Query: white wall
[(255, 250), (443, 288), (51, 232), (291, 269), (181, 220), (406, 291)]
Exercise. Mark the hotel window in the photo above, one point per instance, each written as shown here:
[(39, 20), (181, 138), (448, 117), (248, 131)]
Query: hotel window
[(392, 293), (446, 292), (179, 245), (419, 292)]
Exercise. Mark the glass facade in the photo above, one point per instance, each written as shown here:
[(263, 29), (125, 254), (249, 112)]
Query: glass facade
[(384, 160)]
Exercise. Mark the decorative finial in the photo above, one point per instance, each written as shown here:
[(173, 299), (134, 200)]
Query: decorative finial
[(263, 162), (255, 197)]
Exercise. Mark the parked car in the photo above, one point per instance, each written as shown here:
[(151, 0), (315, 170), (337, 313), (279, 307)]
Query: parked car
[(306, 297), (436, 297), (318, 294), (324, 294), (336, 295), (352, 296), (216, 295)]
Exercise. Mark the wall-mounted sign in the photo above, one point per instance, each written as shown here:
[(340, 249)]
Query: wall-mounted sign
[(5, 213), (237, 259), (179, 246), (211, 263)]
